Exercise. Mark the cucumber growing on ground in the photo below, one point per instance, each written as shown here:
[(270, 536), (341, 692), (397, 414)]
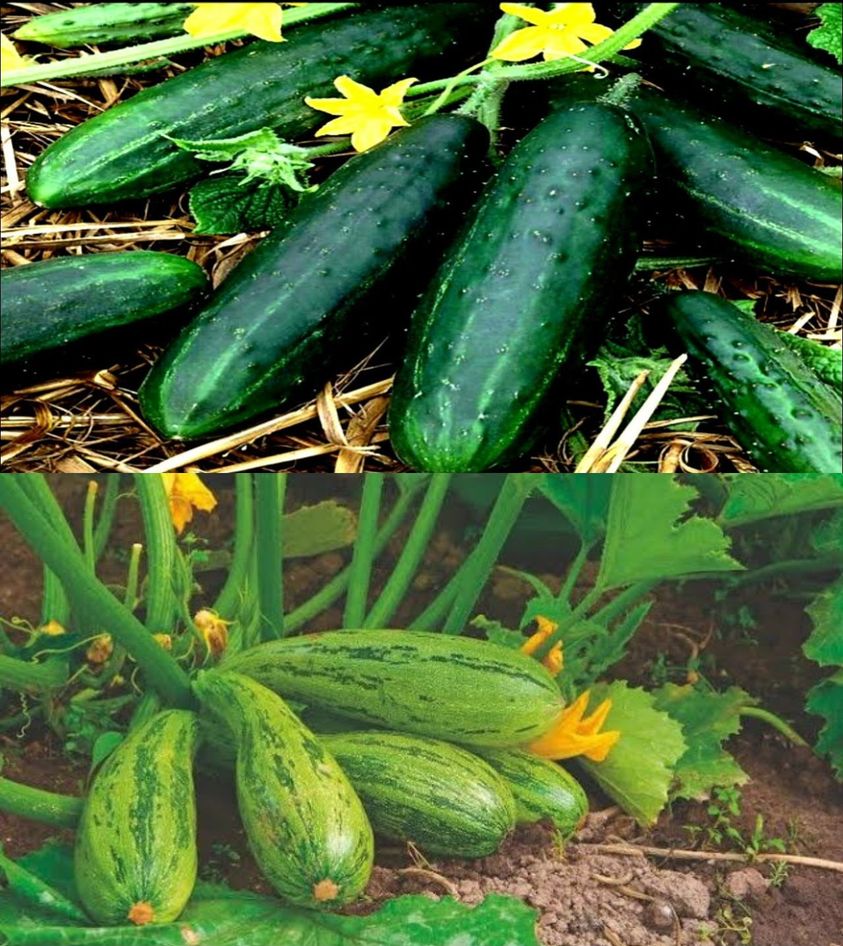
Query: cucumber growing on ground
[(126, 152), (305, 825), (98, 23), (525, 291), (135, 857), (786, 419), (447, 687), (442, 798), (56, 302), (296, 307)]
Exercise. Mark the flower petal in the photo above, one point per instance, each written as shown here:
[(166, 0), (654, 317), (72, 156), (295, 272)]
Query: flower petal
[(593, 33), (601, 745), (530, 14), (573, 14), (264, 21), (339, 126), (331, 106), (522, 44), (562, 44), (369, 134), (355, 91), (394, 94)]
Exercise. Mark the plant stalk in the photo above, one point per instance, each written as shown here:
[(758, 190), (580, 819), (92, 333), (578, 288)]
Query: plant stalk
[(269, 509), (228, 601), (363, 556), (59, 811), (161, 552)]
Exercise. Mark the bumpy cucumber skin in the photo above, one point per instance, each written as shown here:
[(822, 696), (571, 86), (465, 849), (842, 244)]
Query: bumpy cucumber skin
[(123, 153), (295, 307), (442, 798), (454, 688), (305, 824), (98, 23), (136, 839), (761, 204), (56, 302), (523, 292), (825, 362), (779, 411)]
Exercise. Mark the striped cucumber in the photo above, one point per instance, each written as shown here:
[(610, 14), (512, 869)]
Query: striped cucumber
[(126, 152), (301, 305), (98, 23), (779, 411), (135, 856), (543, 790), (305, 825), (442, 798), (524, 293), (454, 688)]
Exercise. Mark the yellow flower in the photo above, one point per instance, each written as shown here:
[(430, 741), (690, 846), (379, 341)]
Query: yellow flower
[(52, 628), (165, 641), (185, 491), (578, 734), (553, 659), (213, 629), (100, 649), (364, 114), (255, 19), (10, 59), (555, 34)]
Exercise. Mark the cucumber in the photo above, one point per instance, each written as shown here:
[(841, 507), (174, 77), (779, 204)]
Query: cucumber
[(778, 410), (305, 825), (124, 153), (453, 688), (526, 290), (53, 303), (295, 307), (543, 790), (762, 205), (135, 856), (442, 798), (98, 23), (825, 362)]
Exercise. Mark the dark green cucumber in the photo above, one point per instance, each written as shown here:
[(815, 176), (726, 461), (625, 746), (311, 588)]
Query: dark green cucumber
[(543, 790), (825, 362), (778, 410), (526, 290), (305, 825), (125, 153), (135, 857), (56, 302), (301, 304), (442, 798), (762, 205), (453, 688), (98, 23)]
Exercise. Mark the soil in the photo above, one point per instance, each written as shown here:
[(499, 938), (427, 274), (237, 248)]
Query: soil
[(583, 898)]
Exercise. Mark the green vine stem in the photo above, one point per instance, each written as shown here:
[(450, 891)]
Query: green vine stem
[(411, 556), (130, 595), (88, 544), (756, 712), (115, 59), (269, 509), (161, 552), (364, 551), (229, 599), (108, 507), (66, 561), (26, 676), (59, 811)]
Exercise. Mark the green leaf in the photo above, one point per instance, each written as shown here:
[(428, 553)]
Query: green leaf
[(639, 770), (825, 645), (28, 888), (828, 535), (103, 746), (708, 719), (312, 530), (649, 537), (228, 204), (826, 699), (826, 36), (779, 494), (583, 500), (498, 634)]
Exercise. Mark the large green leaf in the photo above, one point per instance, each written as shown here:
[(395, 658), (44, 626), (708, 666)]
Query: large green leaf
[(827, 35), (828, 535), (779, 494), (639, 770), (649, 537), (826, 699), (312, 530), (825, 645), (584, 500)]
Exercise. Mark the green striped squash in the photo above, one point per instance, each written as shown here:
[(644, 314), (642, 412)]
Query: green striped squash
[(135, 856), (306, 827), (442, 798), (453, 688)]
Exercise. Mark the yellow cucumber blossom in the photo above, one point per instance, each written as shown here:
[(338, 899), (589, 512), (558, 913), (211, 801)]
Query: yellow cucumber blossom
[(52, 628), (578, 734), (10, 59), (100, 649), (186, 492), (213, 629), (164, 641), (553, 659), (366, 115), (254, 19), (563, 31)]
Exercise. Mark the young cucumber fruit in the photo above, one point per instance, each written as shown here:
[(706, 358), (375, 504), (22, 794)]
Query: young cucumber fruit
[(295, 307), (305, 825), (442, 798), (786, 419), (98, 23), (135, 857), (764, 206), (454, 688), (126, 152), (525, 291), (56, 302)]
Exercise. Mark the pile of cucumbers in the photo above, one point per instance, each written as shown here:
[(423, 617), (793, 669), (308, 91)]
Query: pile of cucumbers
[(532, 259)]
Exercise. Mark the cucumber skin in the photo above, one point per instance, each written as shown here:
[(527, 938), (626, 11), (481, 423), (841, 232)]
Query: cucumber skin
[(293, 309), (122, 154), (458, 689), (55, 302), (444, 799), (99, 23), (765, 206), (304, 822), (825, 362), (523, 292), (779, 411)]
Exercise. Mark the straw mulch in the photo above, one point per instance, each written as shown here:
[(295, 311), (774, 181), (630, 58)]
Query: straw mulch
[(88, 421)]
